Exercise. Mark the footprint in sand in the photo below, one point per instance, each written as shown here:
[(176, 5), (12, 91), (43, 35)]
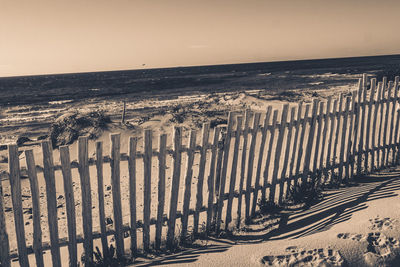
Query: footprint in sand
[(381, 250), (298, 257), (382, 223)]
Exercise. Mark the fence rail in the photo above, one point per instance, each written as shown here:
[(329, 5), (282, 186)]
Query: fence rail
[(210, 182)]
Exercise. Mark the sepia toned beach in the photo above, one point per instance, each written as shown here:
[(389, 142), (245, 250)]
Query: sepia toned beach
[(183, 133)]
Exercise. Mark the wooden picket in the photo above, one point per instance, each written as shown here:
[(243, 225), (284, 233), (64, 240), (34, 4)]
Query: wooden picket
[(341, 137)]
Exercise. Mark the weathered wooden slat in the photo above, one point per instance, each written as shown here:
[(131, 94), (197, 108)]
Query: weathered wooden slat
[(286, 157), (381, 93), (218, 169), (393, 115), (343, 140), (116, 192), (70, 204), (227, 146), (368, 129), (362, 130), (37, 231), (396, 138), (100, 195), (4, 244), (16, 198), (260, 158), (350, 152), (188, 185), (278, 152), (325, 136), (200, 178), (338, 124), (176, 174), (374, 123), (210, 180), (318, 140), (86, 198), (162, 147), (296, 125), (132, 193), (147, 159), (269, 153), (243, 165), (385, 129), (356, 127), (51, 201), (310, 141), (256, 125), (232, 181), (301, 142)]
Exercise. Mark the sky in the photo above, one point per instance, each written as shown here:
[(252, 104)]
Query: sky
[(42, 37)]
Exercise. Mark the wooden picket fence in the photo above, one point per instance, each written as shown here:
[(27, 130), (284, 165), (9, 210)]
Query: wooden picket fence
[(343, 138)]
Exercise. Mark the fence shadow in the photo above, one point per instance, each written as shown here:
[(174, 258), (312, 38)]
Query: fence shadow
[(336, 207), (187, 256)]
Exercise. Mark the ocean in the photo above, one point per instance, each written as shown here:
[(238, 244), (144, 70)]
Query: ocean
[(286, 75)]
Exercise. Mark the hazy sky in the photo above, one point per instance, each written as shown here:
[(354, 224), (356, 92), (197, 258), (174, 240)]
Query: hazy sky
[(76, 36)]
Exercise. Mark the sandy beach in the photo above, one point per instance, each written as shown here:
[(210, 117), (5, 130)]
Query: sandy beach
[(353, 226), (160, 116)]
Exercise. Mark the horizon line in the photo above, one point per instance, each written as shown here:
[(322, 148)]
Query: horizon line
[(193, 66)]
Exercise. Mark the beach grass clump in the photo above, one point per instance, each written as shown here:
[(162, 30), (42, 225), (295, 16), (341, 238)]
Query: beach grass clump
[(268, 207), (307, 192), (68, 127), (107, 259)]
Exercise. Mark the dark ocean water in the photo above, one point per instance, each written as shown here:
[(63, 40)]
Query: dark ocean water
[(315, 74)]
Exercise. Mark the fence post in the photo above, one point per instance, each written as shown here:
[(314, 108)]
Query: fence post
[(232, 183), (37, 231), (318, 140), (397, 133), (278, 152), (297, 125), (162, 149), (147, 159), (227, 146), (116, 192), (70, 204), (200, 179), (210, 180), (381, 94), (4, 245), (86, 198), (343, 140), (176, 174), (260, 158), (269, 153), (370, 105), (100, 193), (256, 125), (188, 184), (362, 129), (301, 143), (310, 141), (48, 172), (286, 158), (243, 165), (132, 193), (13, 163), (394, 103), (350, 152), (385, 130), (373, 141), (339, 114)]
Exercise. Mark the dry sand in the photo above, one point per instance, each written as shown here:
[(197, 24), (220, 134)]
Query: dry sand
[(353, 226)]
